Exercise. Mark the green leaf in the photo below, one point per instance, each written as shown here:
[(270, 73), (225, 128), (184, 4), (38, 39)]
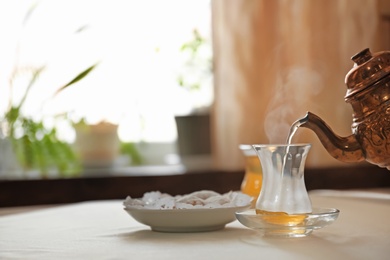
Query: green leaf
[(79, 77), (35, 76), (39, 148), (29, 13), (131, 150), (82, 28)]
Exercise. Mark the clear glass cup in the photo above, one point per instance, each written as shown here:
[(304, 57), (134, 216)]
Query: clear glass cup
[(283, 208), (252, 182), (283, 190)]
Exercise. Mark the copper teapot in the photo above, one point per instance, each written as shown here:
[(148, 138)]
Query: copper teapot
[(368, 92)]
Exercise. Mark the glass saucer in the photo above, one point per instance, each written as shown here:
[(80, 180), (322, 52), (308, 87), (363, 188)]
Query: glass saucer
[(283, 225)]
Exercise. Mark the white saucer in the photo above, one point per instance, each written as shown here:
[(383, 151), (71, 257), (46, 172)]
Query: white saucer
[(185, 220)]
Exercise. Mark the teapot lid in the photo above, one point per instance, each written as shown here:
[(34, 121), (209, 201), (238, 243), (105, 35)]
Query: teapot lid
[(368, 69)]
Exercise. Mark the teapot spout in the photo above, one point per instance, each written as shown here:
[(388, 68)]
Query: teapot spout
[(345, 149)]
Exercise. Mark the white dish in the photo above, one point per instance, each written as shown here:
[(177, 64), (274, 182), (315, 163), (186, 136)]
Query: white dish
[(185, 220)]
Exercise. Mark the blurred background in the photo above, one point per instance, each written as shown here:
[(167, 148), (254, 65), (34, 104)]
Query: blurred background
[(88, 87), (151, 62)]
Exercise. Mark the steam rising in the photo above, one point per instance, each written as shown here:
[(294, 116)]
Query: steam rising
[(292, 91)]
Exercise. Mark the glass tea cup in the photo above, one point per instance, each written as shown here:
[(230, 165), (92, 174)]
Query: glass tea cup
[(283, 208), (252, 182), (283, 189)]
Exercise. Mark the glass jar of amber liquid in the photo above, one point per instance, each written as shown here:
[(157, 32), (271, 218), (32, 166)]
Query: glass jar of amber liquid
[(251, 184)]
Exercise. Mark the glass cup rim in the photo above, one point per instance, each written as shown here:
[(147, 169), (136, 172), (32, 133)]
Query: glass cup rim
[(247, 149), (282, 145)]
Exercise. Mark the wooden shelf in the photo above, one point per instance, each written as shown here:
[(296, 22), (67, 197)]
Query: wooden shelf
[(57, 191)]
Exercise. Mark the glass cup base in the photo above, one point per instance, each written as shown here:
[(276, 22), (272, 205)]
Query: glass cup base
[(276, 225)]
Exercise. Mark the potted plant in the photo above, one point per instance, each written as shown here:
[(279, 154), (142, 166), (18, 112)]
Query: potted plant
[(193, 128), (30, 143), (99, 146)]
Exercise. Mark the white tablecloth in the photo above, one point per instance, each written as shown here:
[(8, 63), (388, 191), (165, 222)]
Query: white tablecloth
[(103, 230)]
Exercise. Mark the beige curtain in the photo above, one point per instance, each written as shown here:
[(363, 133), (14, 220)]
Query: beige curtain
[(275, 60)]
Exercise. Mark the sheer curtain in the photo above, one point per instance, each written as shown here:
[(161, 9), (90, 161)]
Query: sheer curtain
[(275, 60)]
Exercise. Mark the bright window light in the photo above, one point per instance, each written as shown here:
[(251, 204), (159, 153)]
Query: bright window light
[(136, 44)]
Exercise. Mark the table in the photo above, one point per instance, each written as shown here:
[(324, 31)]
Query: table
[(103, 230)]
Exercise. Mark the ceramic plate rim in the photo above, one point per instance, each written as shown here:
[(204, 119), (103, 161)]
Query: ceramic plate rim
[(185, 220)]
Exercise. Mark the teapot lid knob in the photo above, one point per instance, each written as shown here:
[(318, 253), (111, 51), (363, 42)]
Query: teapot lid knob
[(361, 57), (367, 70)]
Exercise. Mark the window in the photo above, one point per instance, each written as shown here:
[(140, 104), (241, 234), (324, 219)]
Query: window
[(136, 44)]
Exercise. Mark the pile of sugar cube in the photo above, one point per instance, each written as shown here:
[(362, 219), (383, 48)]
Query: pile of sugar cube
[(197, 199)]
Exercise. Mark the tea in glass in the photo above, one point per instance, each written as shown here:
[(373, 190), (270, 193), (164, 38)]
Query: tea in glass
[(252, 182)]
